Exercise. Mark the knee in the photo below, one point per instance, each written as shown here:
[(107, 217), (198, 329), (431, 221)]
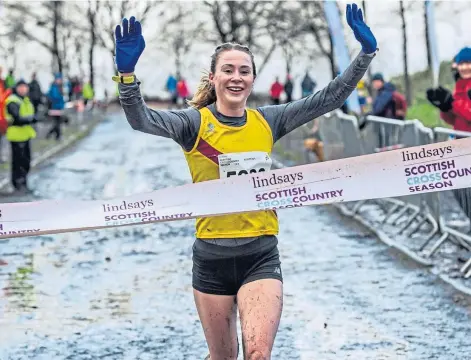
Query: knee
[(259, 355)]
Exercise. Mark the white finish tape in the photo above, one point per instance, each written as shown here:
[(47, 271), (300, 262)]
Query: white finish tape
[(435, 167)]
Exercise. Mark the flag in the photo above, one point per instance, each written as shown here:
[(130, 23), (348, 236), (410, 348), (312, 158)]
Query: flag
[(340, 48)]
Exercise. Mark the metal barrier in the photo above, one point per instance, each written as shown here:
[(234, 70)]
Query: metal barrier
[(463, 202), (381, 134), (343, 136)]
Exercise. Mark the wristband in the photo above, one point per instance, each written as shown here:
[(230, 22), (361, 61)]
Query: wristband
[(124, 79)]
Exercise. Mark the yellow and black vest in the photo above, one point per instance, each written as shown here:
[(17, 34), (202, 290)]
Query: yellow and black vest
[(215, 138), (20, 133)]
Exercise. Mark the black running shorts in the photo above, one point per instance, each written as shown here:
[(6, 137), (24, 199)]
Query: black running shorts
[(222, 270)]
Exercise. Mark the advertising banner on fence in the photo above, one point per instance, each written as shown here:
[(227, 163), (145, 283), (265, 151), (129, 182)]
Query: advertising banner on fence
[(435, 167)]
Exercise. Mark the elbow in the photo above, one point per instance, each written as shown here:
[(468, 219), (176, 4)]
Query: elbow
[(135, 125)]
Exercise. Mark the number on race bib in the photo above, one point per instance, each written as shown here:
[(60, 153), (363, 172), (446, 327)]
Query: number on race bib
[(244, 172), (237, 164)]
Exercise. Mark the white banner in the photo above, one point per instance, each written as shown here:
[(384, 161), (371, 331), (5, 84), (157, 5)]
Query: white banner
[(410, 171)]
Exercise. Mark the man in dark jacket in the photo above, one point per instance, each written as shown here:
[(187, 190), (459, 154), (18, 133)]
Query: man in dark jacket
[(57, 104), (383, 103), (289, 89), (35, 93), (307, 85)]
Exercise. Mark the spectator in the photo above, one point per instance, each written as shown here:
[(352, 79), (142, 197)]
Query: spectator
[(10, 80), (456, 109), (35, 93), (314, 143), (74, 88), (87, 93), (77, 89), (20, 116), (388, 102), (289, 88), (182, 90), (4, 93), (171, 87), (275, 91), (56, 106), (308, 85), (362, 95)]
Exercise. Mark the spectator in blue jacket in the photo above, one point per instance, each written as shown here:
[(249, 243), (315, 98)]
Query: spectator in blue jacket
[(383, 103), (56, 106), (171, 87)]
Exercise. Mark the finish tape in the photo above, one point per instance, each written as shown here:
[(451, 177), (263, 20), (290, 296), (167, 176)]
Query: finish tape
[(415, 170)]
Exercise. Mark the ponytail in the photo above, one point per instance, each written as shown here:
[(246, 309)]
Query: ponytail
[(204, 95)]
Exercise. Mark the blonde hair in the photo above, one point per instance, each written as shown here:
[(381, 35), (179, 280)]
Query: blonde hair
[(205, 93)]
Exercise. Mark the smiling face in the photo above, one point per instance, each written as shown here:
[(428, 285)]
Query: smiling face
[(232, 79), (464, 69)]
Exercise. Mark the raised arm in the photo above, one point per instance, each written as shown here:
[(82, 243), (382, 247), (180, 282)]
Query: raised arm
[(287, 117), (182, 126)]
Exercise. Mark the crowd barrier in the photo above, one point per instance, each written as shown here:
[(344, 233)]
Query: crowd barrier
[(345, 136)]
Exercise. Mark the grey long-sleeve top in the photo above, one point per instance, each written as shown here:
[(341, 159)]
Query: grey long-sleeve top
[(183, 125)]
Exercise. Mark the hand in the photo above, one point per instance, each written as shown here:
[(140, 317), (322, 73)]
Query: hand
[(129, 45), (361, 31), (441, 98)]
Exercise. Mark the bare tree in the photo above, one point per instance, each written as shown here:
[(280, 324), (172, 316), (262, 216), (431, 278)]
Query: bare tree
[(111, 13), (9, 42), (288, 33), (48, 16), (246, 23), (179, 32), (92, 15), (315, 24), (427, 42), (407, 83)]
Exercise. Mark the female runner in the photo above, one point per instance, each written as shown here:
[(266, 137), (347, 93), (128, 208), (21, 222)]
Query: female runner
[(236, 263)]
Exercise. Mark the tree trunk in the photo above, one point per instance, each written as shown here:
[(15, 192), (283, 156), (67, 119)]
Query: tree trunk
[(331, 57), (427, 42), (404, 53), (266, 58), (55, 37), (91, 53), (178, 60), (93, 40)]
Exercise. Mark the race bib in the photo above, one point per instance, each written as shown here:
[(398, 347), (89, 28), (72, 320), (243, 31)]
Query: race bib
[(243, 163)]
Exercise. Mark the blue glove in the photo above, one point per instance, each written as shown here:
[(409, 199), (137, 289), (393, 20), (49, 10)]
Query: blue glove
[(129, 45), (361, 31)]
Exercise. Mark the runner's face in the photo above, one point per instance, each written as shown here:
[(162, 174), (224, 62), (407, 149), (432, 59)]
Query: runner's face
[(464, 69), (233, 79)]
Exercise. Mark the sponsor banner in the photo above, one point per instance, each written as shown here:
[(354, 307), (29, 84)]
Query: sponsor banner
[(423, 169)]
